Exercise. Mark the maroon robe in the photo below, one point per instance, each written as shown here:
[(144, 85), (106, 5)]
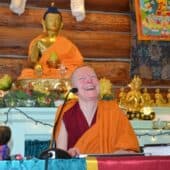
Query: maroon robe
[(76, 124)]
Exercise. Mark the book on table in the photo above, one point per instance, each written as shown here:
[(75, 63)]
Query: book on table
[(157, 149)]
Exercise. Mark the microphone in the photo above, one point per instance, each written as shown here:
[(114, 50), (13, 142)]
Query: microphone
[(73, 90), (54, 152)]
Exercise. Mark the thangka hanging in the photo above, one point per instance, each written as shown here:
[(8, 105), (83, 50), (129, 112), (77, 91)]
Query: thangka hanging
[(153, 19)]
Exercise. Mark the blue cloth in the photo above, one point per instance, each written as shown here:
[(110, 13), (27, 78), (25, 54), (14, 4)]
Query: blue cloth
[(36, 164)]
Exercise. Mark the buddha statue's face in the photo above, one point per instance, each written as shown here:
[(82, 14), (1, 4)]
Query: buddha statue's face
[(53, 22)]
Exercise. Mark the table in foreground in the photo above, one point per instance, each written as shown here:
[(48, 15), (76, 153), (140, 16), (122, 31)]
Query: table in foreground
[(91, 163)]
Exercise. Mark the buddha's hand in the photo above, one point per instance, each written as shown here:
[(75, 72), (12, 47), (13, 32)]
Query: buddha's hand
[(38, 70), (74, 152), (53, 60), (41, 46), (37, 48)]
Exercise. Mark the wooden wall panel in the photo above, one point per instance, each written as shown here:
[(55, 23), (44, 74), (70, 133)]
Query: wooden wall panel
[(98, 45), (94, 5), (117, 72), (101, 44), (114, 22), (11, 66), (94, 37)]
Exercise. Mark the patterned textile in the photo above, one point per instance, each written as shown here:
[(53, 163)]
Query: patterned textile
[(149, 59)]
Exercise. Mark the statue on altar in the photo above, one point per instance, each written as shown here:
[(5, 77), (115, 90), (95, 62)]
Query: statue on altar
[(134, 98), (168, 97), (50, 55), (122, 97), (159, 100), (147, 98)]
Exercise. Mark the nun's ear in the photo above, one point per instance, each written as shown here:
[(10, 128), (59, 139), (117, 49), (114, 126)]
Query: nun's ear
[(17, 6)]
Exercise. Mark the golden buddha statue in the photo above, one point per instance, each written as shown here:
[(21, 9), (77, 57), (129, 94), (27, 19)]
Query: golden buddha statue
[(147, 98), (168, 97), (50, 55), (122, 97), (159, 100), (134, 99)]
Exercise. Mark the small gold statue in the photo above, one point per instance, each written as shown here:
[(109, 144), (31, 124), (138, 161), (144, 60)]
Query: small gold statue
[(147, 98), (159, 100), (168, 97), (134, 99), (122, 97)]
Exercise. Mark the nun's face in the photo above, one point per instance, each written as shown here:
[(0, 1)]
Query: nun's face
[(87, 83)]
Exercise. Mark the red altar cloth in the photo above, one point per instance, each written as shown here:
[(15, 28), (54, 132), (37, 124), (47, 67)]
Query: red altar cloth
[(134, 163)]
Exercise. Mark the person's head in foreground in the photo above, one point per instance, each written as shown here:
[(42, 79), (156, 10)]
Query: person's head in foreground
[(85, 80)]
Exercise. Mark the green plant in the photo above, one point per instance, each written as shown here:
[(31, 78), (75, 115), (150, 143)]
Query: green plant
[(2, 104), (34, 98), (43, 99), (17, 94), (12, 98)]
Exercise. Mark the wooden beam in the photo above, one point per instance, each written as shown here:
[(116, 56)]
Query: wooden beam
[(93, 5), (12, 67), (91, 44), (94, 21), (117, 72)]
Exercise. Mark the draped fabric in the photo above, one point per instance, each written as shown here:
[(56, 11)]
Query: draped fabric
[(68, 54), (76, 115), (112, 130), (149, 59)]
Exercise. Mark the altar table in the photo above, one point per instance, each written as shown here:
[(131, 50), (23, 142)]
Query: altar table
[(99, 163)]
